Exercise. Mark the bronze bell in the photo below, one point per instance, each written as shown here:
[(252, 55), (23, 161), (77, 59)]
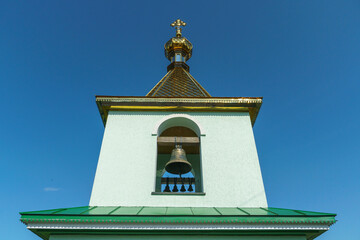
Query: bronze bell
[(178, 163)]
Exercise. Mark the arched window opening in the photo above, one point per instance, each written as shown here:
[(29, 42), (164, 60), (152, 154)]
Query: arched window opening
[(186, 139)]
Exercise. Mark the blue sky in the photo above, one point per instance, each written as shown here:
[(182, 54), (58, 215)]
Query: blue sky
[(301, 56)]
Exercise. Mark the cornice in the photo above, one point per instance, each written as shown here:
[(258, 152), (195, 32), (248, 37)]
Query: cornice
[(231, 100), (175, 104), (177, 220), (152, 226)]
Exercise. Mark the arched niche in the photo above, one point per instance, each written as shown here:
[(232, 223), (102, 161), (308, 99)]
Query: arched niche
[(182, 120), (186, 132)]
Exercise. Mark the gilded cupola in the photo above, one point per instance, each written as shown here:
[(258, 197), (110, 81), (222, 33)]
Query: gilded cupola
[(178, 82), (178, 49)]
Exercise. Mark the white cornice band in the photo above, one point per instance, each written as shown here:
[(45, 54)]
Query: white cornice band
[(202, 227)]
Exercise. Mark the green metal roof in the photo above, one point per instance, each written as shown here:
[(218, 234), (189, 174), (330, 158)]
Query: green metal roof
[(175, 211), (177, 214)]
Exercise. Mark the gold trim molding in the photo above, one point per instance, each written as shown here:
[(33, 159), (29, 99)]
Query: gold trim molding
[(184, 100), (213, 104)]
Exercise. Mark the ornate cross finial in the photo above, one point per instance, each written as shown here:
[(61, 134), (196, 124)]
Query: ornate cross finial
[(178, 24)]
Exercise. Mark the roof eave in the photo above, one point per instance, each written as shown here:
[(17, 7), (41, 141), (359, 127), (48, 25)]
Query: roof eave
[(44, 228), (195, 104)]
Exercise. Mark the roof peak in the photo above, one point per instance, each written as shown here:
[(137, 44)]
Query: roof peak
[(177, 24)]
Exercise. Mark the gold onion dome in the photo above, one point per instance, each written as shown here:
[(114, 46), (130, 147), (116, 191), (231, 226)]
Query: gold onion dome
[(178, 44), (178, 82)]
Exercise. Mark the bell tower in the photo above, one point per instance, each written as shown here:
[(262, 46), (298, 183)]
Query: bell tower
[(177, 164), (178, 146)]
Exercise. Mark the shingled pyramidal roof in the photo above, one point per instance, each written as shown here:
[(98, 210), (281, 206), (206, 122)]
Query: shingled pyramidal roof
[(178, 82)]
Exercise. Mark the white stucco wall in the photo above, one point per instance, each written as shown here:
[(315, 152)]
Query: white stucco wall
[(125, 175)]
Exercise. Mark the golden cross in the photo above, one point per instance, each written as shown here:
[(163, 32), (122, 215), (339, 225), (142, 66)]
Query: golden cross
[(178, 24)]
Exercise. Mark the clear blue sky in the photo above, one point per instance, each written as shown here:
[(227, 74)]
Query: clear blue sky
[(301, 56)]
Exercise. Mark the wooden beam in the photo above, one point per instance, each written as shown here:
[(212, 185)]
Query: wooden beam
[(163, 141)]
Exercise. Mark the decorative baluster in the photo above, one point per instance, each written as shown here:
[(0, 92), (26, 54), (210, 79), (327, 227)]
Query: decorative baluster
[(167, 188), (182, 189), (175, 189), (190, 189)]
